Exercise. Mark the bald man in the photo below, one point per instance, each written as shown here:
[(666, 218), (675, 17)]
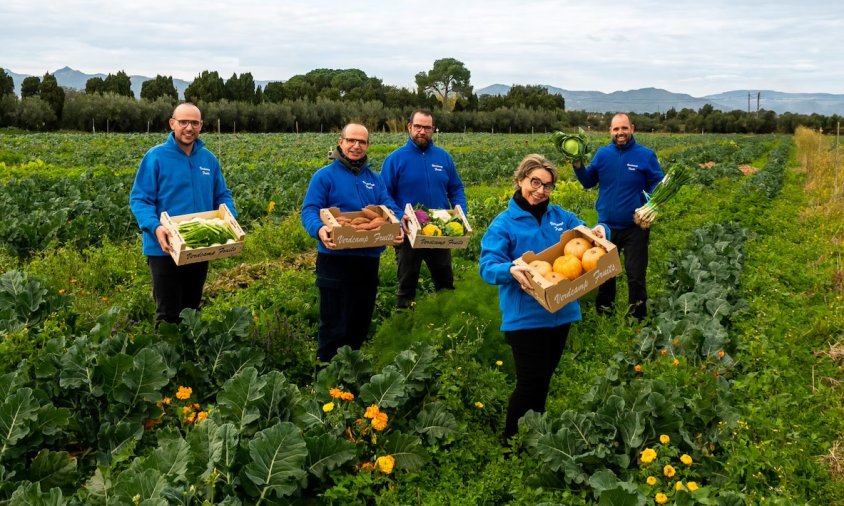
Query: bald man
[(180, 176)]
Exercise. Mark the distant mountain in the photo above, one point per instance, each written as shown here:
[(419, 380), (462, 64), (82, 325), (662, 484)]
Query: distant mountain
[(658, 100), (642, 100), (74, 79)]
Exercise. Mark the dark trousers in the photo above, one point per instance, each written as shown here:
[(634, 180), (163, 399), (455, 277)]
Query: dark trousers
[(536, 354), (347, 286), (633, 244), (174, 287), (409, 264)]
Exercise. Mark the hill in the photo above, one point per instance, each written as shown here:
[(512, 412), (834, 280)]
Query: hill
[(645, 100)]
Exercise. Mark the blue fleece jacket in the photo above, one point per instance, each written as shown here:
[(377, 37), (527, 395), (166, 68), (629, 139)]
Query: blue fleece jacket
[(510, 235), (622, 174), (169, 180), (427, 177), (336, 186)]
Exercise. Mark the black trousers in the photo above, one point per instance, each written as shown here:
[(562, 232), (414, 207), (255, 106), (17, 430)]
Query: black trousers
[(633, 244), (347, 286), (409, 264), (536, 354), (174, 287)]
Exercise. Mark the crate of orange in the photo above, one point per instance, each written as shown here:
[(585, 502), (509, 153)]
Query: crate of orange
[(573, 267)]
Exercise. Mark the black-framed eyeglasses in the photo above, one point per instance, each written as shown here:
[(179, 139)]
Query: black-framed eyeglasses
[(185, 122), (424, 128), (361, 142), (537, 183)]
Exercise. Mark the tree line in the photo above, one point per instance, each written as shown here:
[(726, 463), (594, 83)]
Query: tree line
[(325, 100)]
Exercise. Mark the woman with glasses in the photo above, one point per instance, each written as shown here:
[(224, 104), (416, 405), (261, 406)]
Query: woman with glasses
[(536, 336)]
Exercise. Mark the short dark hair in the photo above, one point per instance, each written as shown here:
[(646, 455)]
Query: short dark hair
[(423, 112)]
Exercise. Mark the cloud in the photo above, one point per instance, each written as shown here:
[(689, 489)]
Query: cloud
[(689, 47)]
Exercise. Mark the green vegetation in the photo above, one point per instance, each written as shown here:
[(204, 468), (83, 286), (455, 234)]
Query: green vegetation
[(731, 388)]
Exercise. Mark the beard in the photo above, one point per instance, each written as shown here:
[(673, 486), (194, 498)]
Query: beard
[(421, 141)]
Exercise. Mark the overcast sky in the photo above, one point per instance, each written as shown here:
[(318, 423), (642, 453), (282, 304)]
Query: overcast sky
[(694, 47)]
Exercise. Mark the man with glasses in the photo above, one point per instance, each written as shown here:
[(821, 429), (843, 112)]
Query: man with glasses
[(623, 171), (180, 176), (420, 173), (347, 278)]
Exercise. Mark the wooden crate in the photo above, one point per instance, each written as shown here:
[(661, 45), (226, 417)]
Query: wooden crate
[(346, 237), (417, 240), (554, 296), (183, 255)]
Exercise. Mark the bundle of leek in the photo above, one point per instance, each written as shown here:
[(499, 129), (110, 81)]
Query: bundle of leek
[(572, 146), (674, 179), (199, 232)]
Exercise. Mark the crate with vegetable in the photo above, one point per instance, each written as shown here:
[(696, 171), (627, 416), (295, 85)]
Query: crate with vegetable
[(199, 237), (437, 228), (573, 267), (369, 227)]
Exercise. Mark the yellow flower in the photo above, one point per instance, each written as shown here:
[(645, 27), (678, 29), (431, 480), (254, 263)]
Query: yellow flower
[(663, 352), (184, 393), (386, 463), (678, 486), (637, 367), (103, 299), (499, 363), (479, 405), (675, 362), (270, 206), (379, 423), (686, 459), (664, 439), (647, 456), (61, 292), (692, 486), (166, 401), (371, 411), (190, 418), (327, 407), (669, 471), (651, 480), (661, 498), (201, 416), (186, 410)]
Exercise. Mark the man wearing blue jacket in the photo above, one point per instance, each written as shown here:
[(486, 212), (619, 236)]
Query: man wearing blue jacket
[(623, 171), (347, 278), (179, 176), (420, 173)]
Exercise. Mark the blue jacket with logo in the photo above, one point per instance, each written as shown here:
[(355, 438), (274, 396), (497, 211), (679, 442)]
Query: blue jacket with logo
[(169, 180), (427, 177), (510, 235), (622, 174), (336, 186)]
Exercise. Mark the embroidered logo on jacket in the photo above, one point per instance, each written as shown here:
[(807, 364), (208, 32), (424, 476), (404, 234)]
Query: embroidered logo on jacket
[(368, 185), (632, 166), (559, 227), (437, 168), (205, 171)]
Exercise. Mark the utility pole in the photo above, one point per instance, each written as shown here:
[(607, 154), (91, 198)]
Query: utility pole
[(748, 102), (758, 99)]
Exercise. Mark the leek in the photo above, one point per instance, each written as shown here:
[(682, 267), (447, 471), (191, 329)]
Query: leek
[(674, 179)]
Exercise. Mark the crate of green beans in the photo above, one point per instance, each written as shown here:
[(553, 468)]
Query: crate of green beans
[(199, 237)]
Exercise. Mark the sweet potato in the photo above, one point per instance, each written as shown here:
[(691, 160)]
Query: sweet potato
[(360, 220), (369, 213)]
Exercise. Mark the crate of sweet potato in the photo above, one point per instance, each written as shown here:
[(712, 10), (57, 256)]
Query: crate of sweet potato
[(369, 227)]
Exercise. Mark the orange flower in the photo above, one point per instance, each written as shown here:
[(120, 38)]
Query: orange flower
[(336, 393), (61, 292), (379, 423), (166, 401), (190, 418), (637, 367), (663, 352), (201, 416), (386, 464), (721, 354), (347, 396), (103, 299), (675, 362), (184, 393), (371, 412)]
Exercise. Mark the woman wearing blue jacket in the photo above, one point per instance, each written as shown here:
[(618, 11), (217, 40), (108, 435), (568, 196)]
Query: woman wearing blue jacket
[(348, 278), (536, 336)]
